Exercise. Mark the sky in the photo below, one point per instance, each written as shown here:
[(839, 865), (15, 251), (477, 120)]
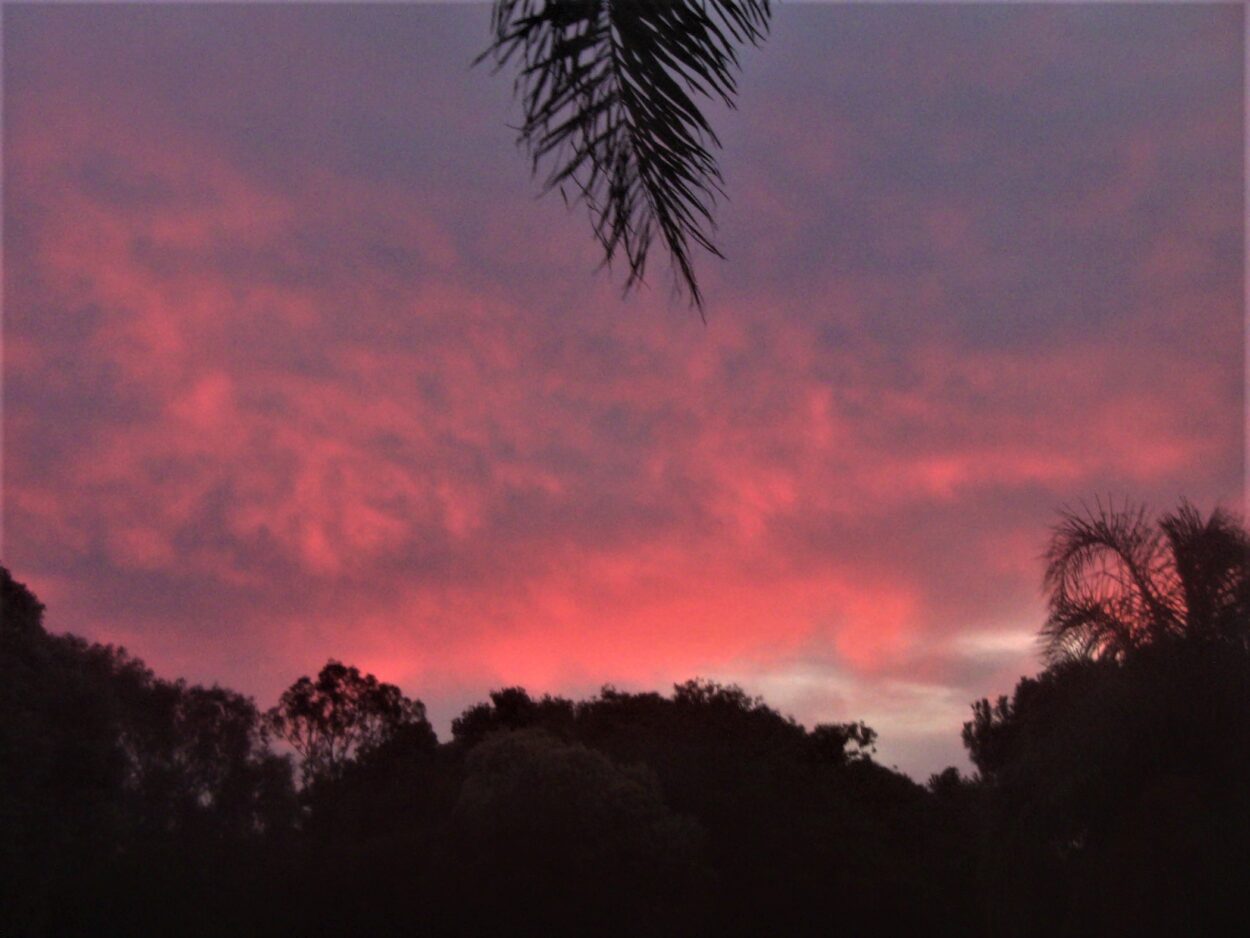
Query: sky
[(298, 365)]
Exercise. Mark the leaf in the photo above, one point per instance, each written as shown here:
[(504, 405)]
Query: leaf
[(608, 89)]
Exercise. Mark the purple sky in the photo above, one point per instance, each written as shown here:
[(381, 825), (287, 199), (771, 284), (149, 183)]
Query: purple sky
[(297, 366)]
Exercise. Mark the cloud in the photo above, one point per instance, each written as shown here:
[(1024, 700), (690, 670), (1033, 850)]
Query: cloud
[(296, 366)]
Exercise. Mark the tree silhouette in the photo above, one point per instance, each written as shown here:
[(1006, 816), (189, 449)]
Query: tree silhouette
[(1118, 581), (570, 843), (129, 804), (1117, 781), (341, 714), (512, 709), (608, 92)]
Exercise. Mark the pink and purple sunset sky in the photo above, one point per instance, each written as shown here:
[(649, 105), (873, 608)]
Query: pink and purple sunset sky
[(296, 365)]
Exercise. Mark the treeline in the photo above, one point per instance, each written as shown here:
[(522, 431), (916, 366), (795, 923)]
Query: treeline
[(1112, 791)]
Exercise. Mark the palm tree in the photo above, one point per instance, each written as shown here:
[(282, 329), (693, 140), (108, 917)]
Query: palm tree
[(1119, 581), (607, 90)]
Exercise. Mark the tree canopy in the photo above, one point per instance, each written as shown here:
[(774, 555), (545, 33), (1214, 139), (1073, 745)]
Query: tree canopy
[(341, 714)]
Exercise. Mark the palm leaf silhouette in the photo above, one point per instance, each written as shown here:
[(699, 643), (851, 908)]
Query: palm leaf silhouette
[(1118, 580), (608, 89)]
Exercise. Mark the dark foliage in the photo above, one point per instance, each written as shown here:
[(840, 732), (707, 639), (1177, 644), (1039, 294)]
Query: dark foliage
[(570, 842), (128, 804), (1119, 795), (1118, 780), (341, 715), (512, 709), (608, 90)]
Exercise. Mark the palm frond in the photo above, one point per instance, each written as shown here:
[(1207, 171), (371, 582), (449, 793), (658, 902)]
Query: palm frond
[(1212, 570), (1104, 569), (1119, 580), (607, 89)]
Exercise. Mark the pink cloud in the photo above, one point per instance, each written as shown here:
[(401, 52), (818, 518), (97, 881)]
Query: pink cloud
[(375, 420)]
